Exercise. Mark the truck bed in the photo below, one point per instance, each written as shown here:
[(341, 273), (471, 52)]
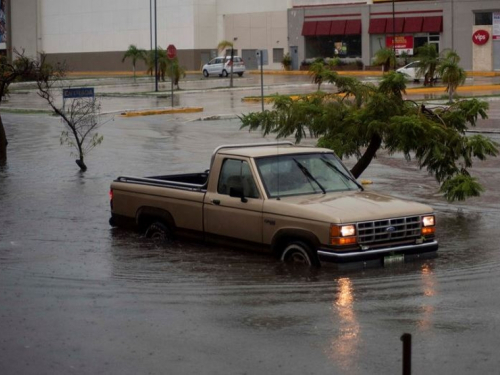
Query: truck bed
[(191, 181)]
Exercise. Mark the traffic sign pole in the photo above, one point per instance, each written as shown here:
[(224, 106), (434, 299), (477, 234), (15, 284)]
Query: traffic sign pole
[(172, 54)]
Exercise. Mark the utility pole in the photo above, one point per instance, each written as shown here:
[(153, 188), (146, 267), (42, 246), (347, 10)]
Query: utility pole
[(156, 50), (150, 25), (394, 34)]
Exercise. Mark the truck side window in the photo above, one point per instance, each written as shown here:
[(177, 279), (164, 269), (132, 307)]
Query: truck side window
[(237, 173)]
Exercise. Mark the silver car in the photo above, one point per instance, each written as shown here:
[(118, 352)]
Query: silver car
[(217, 66), (411, 71)]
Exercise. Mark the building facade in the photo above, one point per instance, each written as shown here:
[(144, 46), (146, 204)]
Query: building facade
[(93, 35), (358, 31)]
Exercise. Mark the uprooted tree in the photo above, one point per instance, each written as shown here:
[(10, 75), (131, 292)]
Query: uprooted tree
[(81, 116), (22, 68), (363, 119)]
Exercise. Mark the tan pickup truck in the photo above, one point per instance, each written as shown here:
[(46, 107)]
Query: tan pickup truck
[(299, 203)]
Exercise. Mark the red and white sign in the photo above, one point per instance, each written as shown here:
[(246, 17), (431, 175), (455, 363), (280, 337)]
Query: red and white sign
[(171, 52), (404, 43), (480, 37)]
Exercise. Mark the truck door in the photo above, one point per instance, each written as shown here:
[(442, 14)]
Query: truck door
[(229, 217)]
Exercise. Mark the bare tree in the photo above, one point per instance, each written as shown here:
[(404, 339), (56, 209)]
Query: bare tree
[(81, 116)]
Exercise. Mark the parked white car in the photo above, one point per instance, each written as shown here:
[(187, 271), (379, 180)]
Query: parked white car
[(411, 71), (217, 66)]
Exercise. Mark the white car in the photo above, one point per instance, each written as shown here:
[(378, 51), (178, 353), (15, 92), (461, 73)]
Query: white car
[(411, 71), (217, 66)]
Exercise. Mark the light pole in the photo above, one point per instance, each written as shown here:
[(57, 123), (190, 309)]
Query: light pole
[(394, 35), (156, 51), (150, 25)]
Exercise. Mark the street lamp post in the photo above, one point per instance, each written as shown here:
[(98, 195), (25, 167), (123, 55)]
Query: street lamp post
[(394, 35), (156, 51), (150, 25)]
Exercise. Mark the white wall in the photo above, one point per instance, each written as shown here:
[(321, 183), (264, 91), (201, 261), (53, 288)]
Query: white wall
[(112, 25), (330, 2), (251, 6), (266, 30)]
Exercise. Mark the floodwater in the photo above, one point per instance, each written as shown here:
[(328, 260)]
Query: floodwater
[(77, 296)]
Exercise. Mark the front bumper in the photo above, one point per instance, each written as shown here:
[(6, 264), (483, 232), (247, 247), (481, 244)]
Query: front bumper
[(332, 256)]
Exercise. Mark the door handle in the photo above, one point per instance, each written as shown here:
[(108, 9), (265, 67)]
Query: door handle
[(216, 202)]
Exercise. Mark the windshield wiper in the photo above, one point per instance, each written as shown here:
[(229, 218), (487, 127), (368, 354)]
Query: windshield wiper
[(337, 169), (309, 175)]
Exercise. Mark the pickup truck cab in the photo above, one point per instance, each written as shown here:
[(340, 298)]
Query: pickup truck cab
[(299, 203)]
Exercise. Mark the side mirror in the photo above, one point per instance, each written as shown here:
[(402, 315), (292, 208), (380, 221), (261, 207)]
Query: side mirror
[(237, 192)]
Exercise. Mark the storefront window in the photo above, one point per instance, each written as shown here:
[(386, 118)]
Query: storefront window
[(483, 18), (333, 46), (422, 40)]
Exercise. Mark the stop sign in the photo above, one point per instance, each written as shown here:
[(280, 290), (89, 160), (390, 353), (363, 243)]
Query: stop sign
[(171, 52)]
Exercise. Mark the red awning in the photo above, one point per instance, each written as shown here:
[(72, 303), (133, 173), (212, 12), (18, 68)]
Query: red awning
[(353, 27), (433, 24), (323, 27), (400, 22), (309, 28), (377, 26), (413, 24), (338, 27)]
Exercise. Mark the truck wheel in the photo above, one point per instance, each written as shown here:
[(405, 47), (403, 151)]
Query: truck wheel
[(158, 232), (299, 253)]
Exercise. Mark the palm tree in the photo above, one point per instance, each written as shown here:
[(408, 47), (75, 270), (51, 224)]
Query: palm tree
[(451, 73), (386, 58), (175, 72), (163, 62), (223, 45), (135, 54), (428, 57), (318, 72), (150, 62)]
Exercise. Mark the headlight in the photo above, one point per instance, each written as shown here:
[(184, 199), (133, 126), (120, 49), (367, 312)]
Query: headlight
[(347, 230), (428, 225), (428, 221), (343, 234), (342, 230)]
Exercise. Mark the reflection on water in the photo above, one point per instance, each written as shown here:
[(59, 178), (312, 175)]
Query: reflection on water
[(429, 291), (345, 347)]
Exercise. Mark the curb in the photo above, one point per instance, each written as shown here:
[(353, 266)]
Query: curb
[(440, 89), (267, 72), (366, 73), (162, 111), (423, 90)]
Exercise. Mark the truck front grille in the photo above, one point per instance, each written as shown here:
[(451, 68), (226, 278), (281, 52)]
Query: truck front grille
[(389, 230)]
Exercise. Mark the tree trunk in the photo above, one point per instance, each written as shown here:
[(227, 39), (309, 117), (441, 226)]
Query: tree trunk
[(450, 96), (80, 161), (368, 156), (81, 164), (3, 144)]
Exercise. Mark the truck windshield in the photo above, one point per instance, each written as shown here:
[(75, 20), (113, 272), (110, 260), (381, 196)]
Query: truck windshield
[(283, 175)]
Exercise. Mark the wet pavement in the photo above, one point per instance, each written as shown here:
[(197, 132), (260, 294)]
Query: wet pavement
[(77, 296)]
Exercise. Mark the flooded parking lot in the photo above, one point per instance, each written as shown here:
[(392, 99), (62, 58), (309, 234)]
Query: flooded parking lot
[(77, 296)]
